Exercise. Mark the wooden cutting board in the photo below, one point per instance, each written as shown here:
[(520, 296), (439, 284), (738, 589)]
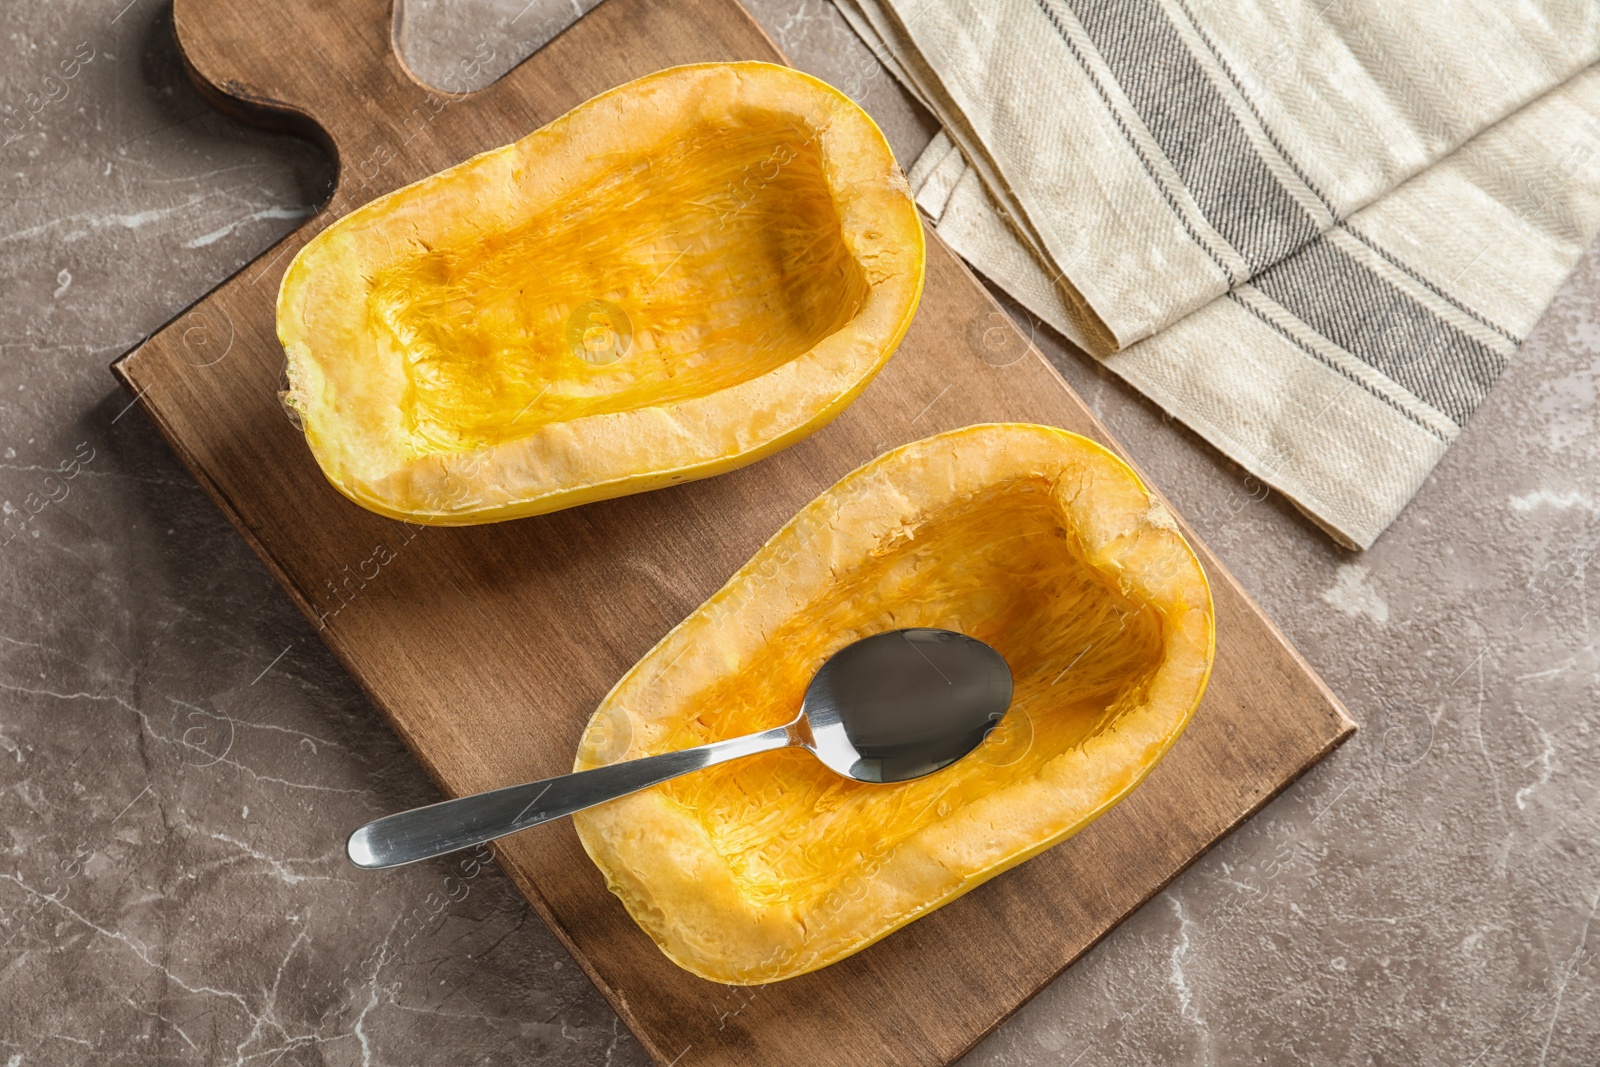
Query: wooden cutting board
[(486, 648)]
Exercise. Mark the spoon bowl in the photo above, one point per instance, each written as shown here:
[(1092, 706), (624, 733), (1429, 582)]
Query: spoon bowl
[(887, 708), (903, 704)]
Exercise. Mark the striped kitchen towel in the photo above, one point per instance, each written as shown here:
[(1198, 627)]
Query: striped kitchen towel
[(1313, 230)]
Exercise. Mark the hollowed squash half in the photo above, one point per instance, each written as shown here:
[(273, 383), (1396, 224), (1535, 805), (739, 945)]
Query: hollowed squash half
[(674, 279), (1033, 539)]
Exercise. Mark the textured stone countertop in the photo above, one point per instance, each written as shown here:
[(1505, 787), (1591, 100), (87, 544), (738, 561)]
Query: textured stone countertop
[(180, 756)]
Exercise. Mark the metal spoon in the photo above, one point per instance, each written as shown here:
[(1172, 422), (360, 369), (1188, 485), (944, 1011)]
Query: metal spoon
[(887, 708)]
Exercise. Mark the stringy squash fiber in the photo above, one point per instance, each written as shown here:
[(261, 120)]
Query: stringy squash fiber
[(1033, 539), (674, 279)]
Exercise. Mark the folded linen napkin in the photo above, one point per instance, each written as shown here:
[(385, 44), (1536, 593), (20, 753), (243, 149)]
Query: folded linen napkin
[(1313, 230)]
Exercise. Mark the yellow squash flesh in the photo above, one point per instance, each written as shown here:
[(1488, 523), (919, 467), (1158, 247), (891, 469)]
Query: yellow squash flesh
[(674, 279), (1033, 539)]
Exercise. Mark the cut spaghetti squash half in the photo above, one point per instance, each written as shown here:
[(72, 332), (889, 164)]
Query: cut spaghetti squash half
[(674, 279), (1035, 540)]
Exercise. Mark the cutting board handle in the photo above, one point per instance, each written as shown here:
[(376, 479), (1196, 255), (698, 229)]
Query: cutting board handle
[(317, 68)]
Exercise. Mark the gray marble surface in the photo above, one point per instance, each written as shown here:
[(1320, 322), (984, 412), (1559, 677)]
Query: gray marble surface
[(179, 756)]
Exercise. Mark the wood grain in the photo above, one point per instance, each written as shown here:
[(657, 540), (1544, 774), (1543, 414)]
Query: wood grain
[(486, 648)]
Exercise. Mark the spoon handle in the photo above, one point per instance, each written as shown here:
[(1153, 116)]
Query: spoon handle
[(423, 833)]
